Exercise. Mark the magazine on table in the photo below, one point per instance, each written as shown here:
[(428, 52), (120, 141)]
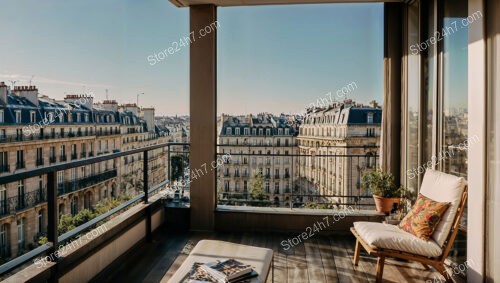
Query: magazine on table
[(198, 274), (227, 270)]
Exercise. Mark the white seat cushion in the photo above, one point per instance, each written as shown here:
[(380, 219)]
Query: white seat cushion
[(443, 187), (389, 236)]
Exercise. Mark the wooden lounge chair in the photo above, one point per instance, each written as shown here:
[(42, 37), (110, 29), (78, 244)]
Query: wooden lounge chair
[(385, 240)]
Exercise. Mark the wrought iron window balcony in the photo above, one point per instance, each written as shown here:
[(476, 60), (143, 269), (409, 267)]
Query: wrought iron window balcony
[(74, 156), (4, 168), (83, 154), (39, 161), (52, 159), (78, 184), (63, 158), (17, 203), (20, 164)]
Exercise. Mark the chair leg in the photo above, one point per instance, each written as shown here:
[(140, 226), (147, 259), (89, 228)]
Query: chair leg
[(440, 267), (380, 269), (356, 253)]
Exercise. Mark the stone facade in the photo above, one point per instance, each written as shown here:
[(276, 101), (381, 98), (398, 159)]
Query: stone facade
[(336, 144), (37, 131)]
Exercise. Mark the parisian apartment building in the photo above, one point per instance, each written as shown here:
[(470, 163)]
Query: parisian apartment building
[(258, 144), (38, 131), (324, 152), (336, 145)]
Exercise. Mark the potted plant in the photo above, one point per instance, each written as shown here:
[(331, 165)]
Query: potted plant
[(385, 193)]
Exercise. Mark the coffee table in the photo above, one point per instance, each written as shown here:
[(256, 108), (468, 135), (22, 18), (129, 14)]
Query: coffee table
[(210, 250)]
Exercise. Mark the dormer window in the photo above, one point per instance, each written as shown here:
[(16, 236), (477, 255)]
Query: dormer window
[(237, 131), (246, 131), (86, 118), (287, 132), (280, 132), (18, 116), (261, 132), (228, 131), (70, 118), (32, 116), (78, 117), (254, 132), (51, 117), (268, 132), (369, 118), (1, 116)]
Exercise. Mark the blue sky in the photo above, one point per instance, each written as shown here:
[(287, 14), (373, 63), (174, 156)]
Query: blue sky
[(271, 58)]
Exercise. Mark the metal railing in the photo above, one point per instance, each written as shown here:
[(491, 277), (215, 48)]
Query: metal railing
[(85, 182), (51, 194), (20, 202), (298, 180), (38, 137)]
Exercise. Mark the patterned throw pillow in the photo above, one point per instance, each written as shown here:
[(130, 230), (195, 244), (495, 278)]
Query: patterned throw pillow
[(424, 217)]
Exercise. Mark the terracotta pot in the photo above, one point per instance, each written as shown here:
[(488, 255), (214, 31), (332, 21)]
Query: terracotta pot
[(384, 205)]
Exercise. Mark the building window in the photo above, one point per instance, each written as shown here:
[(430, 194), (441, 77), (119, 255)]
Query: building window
[(60, 177), (4, 161), (4, 241), (287, 132), (78, 117), (3, 200), (74, 205), (86, 118), (261, 132), (246, 131), (237, 131), (20, 159), (268, 132), (280, 132), (267, 187), (228, 131), (40, 221), (20, 235), (369, 118), (32, 117), (18, 116), (1, 116)]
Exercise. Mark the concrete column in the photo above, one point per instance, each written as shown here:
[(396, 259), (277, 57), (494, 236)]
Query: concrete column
[(203, 111), (390, 154)]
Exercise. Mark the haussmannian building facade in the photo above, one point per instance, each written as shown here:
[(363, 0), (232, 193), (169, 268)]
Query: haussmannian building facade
[(37, 131), (258, 144), (336, 144)]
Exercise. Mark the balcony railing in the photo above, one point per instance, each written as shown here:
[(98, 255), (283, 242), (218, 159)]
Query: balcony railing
[(14, 204), (39, 162), (27, 200), (313, 180), (52, 159), (63, 158), (20, 164), (4, 168), (85, 182), (38, 137)]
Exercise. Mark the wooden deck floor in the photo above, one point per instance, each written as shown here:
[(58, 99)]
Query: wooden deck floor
[(319, 259)]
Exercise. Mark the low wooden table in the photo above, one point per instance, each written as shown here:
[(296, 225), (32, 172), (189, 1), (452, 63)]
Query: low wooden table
[(209, 250)]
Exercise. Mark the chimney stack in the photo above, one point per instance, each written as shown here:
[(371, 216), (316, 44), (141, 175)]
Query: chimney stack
[(28, 92), (148, 114), (3, 93), (84, 100)]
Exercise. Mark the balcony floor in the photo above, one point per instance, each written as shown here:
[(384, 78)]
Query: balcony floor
[(321, 258)]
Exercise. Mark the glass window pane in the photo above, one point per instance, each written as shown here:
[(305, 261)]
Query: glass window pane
[(413, 99), (452, 157)]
